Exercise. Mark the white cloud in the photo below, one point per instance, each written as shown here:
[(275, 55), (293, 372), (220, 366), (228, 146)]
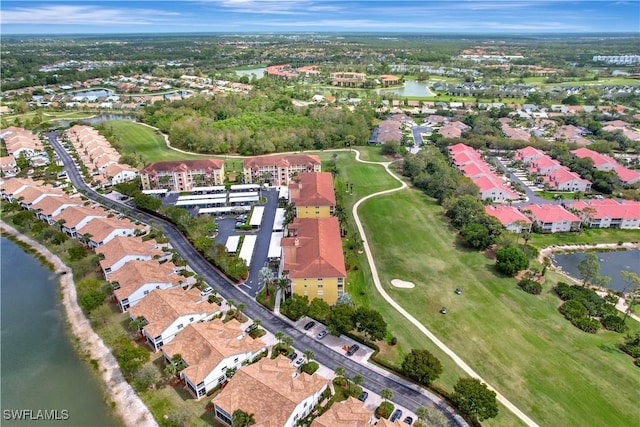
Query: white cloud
[(82, 15)]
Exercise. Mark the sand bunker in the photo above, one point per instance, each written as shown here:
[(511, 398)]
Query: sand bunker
[(402, 284)]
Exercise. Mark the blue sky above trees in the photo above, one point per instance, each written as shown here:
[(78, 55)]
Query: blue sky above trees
[(251, 16)]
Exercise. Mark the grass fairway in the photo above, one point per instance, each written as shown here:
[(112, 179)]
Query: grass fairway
[(144, 142), (554, 372)]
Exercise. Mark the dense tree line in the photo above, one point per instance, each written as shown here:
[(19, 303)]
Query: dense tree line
[(264, 122)]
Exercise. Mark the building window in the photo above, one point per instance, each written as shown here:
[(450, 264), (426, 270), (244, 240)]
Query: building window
[(320, 285), (320, 293), (180, 326)]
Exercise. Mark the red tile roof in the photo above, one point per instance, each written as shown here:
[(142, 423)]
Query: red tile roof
[(550, 213), (506, 214), (313, 189)]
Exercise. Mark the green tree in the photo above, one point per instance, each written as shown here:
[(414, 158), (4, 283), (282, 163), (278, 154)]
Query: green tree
[(510, 260), (474, 398), (431, 417), (340, 371), (631, 290), (308, 355), (265, 277), (146, 377), (240, 418), (589, 269), (464, 210), (386, 394), (90, 300), (295, 307), (340, 319), (477, 235), (370, 322), (421, 366), (319, 309)]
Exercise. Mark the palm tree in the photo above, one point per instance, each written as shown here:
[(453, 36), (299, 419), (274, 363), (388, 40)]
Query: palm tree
[(265, 276), (386, 394), (422, 413), (340, 371), (257, 322), (135, 325), (287, 340), (308, 355), (230, 303), (279, 335), (358, 379), (240, 418), (282, 284)]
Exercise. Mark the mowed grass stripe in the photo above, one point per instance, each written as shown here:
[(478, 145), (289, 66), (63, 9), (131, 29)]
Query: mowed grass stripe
[(555, 373)]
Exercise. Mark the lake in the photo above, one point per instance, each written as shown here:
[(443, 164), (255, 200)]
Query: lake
[(40, 369), (411, 88), (611, 263), (259, 72), (100, 93)]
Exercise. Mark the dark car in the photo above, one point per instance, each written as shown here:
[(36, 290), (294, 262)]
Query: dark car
[(322, 334), (443, 310), (250, 328), (352, 350), (408, 420), (363, 396), (293, 356), (458, 291), (309, 325), (396, 415)]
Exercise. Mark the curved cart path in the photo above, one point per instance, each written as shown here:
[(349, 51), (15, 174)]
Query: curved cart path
[(376, 279)]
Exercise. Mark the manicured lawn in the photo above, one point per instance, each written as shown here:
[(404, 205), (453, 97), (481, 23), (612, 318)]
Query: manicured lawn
[(142, 141), (47, 116), (586, 236), (555, 373)]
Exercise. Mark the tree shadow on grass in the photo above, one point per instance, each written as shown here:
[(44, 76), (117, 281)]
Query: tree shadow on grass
[(611, 349)]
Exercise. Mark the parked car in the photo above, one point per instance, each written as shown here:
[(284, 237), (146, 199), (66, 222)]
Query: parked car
[(206, 291), (458, 291), (396, 415), (352, 350), (363, 396), (299, 362), (309, 325), (250, 328), (322, 334), (408, 420), (293, 356), (443, 310)]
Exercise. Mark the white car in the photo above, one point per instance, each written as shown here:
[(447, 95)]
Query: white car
[(298, 362), (206, 291)]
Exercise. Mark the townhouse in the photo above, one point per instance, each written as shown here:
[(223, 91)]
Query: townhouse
[(348, 413), (8, 166), (101, 230), (606, 163), (278, 170), (564, 179), (552, 218), (73, 218), (312, 258), (167, 311), (120, 250), (510, 217), (470, 163), (528, 154), (272, 391), (49, 207), (23, 143), (182, 175), (119, 173), (312, 195), (32, 195), (209, 350), (136, 278), (608, 213), (453, 129)]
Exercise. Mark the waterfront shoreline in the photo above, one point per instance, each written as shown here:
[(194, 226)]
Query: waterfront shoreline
[(128, 406)]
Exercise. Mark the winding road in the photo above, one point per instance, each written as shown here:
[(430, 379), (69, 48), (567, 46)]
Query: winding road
[(405, 394)]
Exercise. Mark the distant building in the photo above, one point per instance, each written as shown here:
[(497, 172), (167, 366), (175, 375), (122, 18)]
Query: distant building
[(608, 213), (348, 79), (182, 175), (278, 170), (509, 216)]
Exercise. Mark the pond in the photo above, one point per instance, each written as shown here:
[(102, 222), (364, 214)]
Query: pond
[(611, 264), (259, 72), (93, 120), (411, 88), (100, 93)]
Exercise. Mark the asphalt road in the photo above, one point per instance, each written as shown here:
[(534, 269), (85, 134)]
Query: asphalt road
[(411, 397)]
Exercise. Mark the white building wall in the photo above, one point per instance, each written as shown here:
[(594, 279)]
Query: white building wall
[(304, 408), (136, 296), (125, 259), (179, 324)]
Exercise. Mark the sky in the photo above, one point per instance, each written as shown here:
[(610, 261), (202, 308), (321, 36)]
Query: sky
[(253, 16)]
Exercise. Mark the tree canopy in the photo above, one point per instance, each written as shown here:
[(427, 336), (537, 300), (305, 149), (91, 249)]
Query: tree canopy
[(422, 366), (474, 398)]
